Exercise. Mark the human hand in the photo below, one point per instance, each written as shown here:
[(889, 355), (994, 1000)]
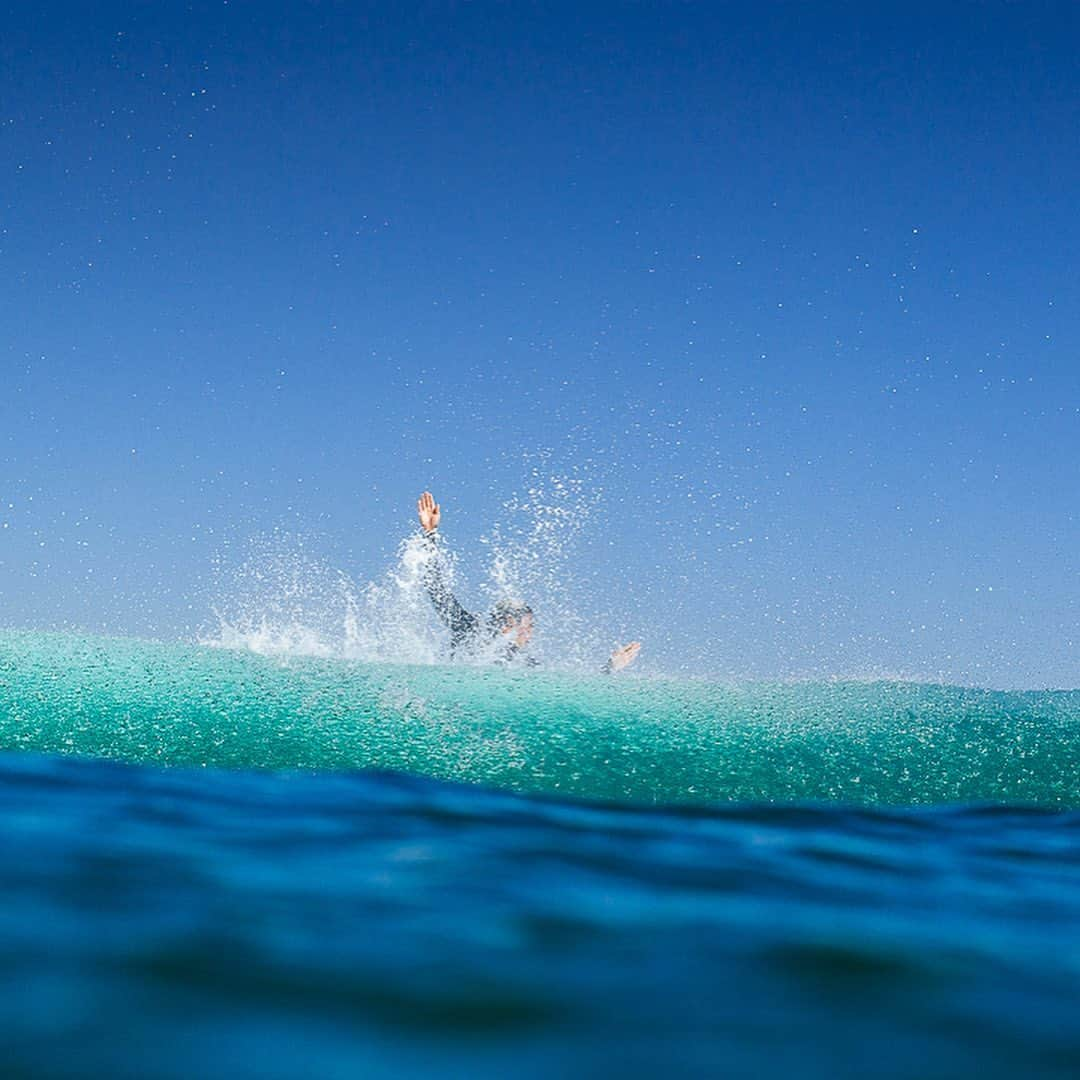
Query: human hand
[(624, 655), (429, 512)]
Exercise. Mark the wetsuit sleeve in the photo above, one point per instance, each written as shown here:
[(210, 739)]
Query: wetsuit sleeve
[(462, 623)]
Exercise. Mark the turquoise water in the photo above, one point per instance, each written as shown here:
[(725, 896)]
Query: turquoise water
[(594, 737), (388, 870)]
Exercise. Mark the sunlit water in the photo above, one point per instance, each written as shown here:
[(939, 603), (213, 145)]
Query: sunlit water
[(223, 863)]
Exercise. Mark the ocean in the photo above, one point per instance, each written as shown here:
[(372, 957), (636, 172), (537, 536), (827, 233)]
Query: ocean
[(217, 863)]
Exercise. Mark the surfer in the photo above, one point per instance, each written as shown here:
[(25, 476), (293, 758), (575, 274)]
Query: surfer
[(511, 621)]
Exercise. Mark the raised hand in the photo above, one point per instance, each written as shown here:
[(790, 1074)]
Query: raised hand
[(429, 512), (625, 654)]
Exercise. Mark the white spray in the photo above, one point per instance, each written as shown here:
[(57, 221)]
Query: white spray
[(282, 601)]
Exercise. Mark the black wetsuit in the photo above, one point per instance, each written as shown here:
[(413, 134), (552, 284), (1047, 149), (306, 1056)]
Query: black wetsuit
[(467, 631)]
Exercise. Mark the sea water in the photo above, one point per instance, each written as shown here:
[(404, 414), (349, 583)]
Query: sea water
[(222, 863)]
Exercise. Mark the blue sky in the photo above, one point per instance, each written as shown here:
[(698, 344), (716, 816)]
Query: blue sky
[(792, 286)]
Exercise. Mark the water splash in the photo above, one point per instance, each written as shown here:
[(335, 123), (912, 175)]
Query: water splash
[(282, 601), (531, 550)]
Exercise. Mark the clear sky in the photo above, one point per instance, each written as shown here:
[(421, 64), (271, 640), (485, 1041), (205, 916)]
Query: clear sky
[(793, 287)]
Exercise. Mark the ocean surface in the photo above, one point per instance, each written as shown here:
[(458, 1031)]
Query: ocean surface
[(216, 863)]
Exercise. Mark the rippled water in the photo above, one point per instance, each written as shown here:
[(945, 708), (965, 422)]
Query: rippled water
[(644, 741), (830, 880)]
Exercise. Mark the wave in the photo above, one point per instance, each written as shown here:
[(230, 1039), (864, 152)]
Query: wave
[(609, 738)]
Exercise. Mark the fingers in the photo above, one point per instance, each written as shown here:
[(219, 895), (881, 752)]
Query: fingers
[(428, 509)]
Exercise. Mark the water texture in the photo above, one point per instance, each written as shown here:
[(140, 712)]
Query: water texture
[(216, 863), (610, 738), (176, 923)]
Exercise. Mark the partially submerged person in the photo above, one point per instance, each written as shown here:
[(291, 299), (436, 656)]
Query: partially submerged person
[(509, 627)]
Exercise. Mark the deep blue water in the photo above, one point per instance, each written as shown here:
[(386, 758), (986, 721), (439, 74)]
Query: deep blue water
[(201, 922)]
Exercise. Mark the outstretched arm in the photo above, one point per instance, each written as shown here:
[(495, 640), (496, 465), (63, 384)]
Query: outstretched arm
[(461, 622), (622, 657)]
